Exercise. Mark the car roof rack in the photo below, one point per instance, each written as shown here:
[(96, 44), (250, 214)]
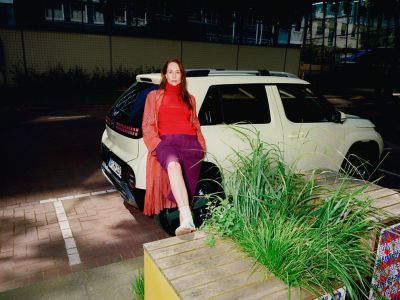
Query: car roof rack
[(222, 72), (219, 72)]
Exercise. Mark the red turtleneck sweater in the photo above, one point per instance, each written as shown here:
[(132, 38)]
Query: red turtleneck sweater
[(174, 115)]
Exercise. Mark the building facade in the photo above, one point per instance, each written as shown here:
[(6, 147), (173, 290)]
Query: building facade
[(326, 32), (336, 30)]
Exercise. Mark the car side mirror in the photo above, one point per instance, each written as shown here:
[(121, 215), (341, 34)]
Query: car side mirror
[(343, 117), (338, 117)]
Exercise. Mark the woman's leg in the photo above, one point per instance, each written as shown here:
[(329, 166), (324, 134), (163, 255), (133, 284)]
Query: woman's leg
[(191, 166), (169, 153), (180, 193)]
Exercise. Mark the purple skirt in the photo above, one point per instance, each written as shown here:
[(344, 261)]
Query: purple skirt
[(186, 150)]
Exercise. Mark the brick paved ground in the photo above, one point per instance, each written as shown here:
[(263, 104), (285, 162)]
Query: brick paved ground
[(32, 247)]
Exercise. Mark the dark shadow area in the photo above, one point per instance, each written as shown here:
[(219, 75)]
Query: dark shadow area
[(375, 71), (383, 112), (52, 149)]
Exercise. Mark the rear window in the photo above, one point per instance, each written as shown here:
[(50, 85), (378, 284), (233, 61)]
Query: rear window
[(126, 115)]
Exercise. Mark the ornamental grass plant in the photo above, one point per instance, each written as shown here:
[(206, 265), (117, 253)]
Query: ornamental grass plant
[(307, 234), (138, 286)]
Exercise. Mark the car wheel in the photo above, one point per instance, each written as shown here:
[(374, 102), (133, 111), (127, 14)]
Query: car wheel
[(168, 219), (209, 184), (208, 188), (360, 162)]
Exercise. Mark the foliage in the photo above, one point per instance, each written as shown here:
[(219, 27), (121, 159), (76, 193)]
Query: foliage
[(76, 79), (308, 235), (210, 240), (138, 286)]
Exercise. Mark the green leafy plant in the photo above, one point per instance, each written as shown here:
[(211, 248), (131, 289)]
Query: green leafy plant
[(210, 240), (308, 234), (138, 286)]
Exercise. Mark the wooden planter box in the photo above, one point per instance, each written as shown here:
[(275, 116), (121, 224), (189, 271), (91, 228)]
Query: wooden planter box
[(186, 267)]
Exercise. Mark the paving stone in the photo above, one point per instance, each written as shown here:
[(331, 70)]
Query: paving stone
[(62, 217), (58, 204), (66, 233), (74, 259), (43, 233), (99, 241), (69, 243), (64, 225), (72, 251)]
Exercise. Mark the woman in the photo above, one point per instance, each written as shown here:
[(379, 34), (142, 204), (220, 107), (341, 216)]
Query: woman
[(175, 144)]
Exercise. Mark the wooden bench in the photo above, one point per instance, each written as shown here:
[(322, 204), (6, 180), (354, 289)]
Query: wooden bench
[(187, 268)]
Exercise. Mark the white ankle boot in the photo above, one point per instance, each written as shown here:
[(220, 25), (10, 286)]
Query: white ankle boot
[(187, 225)]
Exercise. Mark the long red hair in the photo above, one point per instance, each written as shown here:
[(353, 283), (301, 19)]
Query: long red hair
[(184, 92)]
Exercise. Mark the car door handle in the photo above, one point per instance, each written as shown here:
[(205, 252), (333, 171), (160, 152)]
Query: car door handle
[(296, 135)]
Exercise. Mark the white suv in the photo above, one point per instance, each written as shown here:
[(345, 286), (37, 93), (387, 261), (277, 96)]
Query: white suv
[(286, 111)]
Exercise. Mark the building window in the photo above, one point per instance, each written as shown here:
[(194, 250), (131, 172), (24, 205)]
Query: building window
[(297, 28), (7, 16), (283, 36), (331, 35), (54, 12), (139, 21), (353, 30), (139, 16), (319, 28), (343, 29), (120, 16), (98, 17), (96, 12), (79, 13)]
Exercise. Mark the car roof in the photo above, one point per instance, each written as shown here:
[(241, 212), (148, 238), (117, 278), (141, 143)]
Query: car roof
[(227, 78)]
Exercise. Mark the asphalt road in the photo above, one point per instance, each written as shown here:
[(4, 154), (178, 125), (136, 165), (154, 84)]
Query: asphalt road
[(53, 151)]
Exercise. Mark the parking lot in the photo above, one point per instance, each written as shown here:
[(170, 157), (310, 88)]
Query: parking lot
[(58, 214)]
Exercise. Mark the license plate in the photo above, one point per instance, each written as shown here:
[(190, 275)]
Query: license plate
[(115, 167)]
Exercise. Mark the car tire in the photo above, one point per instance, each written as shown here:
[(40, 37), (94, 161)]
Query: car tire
[(168, 219), (360, 162), (209, 186)]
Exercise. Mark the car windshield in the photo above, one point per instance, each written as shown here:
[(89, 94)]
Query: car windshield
[(126, 115)]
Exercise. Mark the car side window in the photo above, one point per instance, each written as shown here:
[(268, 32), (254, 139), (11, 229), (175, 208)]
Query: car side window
[(211, 110), (244, 103), (235, 103), (303, 105)]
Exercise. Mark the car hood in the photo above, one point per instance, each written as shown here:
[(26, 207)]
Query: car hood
[(359, 122)]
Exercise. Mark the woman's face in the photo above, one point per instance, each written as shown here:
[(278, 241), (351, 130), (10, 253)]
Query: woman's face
[(173, 74)]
